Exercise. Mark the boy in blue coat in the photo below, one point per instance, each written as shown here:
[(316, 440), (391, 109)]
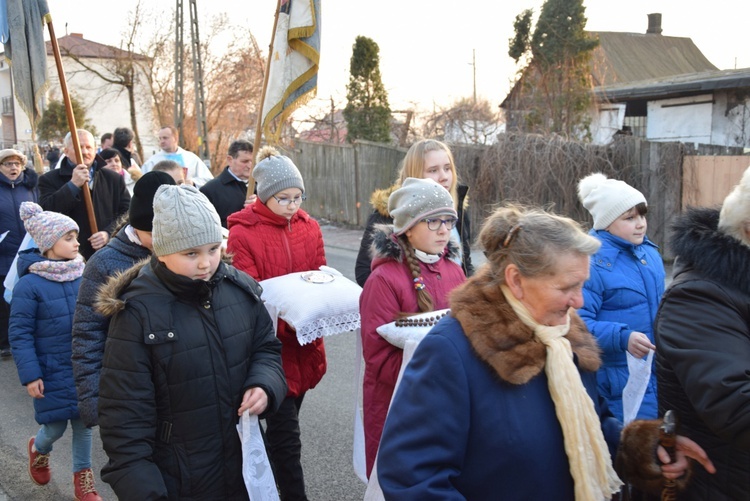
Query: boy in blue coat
[(625, 286), (40, 337)]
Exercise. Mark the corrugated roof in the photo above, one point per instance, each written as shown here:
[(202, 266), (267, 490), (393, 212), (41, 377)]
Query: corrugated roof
[(677, 85), (633, 57), (78, 46)]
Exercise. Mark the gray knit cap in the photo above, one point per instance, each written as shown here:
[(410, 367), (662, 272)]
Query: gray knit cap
[(607, 199), (183, 219), (417, 199), (274, 174)]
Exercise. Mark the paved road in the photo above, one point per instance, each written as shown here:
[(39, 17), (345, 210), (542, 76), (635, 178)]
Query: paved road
[(326, 418)]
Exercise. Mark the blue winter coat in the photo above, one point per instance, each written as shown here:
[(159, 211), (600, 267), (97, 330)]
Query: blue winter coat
[(621, 296), (465, 425), (90, 326), (41, 318), (12, 194)]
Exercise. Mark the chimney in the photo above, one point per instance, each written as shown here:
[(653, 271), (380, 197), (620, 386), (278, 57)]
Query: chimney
[(77, 35), (654, 24)]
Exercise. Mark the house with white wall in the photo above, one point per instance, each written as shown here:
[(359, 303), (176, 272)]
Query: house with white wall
[(107, 104)]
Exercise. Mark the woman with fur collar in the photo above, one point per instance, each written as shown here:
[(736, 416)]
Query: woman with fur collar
[(412, 272), (703, 341), (426, 159), (500, 397)]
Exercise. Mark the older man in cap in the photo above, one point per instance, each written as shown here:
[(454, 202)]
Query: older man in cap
[(17, 185)]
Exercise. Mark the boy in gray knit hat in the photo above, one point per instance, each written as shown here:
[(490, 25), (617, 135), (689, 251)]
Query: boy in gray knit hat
[(190, 347)]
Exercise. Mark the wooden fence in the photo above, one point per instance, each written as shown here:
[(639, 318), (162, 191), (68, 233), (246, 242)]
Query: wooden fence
[(340, 179)]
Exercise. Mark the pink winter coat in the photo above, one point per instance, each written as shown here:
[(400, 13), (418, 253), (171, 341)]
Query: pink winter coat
[(266, 245), (388, 291)]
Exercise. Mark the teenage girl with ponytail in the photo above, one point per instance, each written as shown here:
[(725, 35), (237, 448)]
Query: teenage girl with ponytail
[(413, 271)]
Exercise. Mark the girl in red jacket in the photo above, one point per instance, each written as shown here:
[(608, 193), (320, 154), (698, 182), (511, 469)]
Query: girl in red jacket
[(270, 238), (413, 271)]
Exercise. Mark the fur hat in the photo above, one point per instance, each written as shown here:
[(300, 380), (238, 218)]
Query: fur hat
[(45, 227), (417, 199), (735, 211), (275, 173), (183, 219), (10, 152), (607, 199), (141, 212)]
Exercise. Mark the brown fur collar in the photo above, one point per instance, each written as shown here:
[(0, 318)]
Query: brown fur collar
[(379, 200), (502, 341)]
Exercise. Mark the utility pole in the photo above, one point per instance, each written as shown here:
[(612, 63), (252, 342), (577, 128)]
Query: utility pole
[(474, 69), (179, 74), (200, 101)]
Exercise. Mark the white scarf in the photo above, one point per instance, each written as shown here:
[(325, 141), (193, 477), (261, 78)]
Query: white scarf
[(588, 455), (427, 258)]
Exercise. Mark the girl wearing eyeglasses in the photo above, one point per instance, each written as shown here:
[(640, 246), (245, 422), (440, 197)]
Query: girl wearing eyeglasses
[(426, 159), (413, 271), (269, 238)]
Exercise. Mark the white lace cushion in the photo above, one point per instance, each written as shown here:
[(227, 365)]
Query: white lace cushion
[(313, 309), (399, 336)]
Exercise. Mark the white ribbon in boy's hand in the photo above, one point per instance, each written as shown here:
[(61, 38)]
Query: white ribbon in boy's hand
[(254, 401)]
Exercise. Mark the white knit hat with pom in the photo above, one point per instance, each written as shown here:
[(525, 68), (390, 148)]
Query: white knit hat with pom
[(607, 199)]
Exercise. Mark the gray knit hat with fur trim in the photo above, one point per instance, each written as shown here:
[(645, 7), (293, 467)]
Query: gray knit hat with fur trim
[(275, 173), (183, 219), (607, 199), (417, 199)]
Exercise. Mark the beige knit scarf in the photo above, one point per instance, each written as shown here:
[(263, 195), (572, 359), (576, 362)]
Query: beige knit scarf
[(588, 455)]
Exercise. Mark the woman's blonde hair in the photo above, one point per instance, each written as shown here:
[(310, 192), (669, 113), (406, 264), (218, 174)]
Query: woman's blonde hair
[(413, 164)]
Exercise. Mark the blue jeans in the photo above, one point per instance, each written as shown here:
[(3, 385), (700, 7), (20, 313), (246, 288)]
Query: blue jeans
[(49, 433)]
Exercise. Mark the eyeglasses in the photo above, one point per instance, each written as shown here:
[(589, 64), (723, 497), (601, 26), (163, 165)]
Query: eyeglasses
[(435, 224), (11, 164), (286, 201)]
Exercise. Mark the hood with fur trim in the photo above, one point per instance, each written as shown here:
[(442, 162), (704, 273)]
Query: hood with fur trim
[(699, 244), (386, 247), (502, 341), (109, 299)]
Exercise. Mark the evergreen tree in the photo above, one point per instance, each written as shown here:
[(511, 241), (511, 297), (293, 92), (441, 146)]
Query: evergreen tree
[(54, 124), (555, 91), (367, 113)]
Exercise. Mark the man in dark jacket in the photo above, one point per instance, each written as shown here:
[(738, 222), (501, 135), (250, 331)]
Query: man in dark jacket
[(228, 192), (60, 190), (17, 185)]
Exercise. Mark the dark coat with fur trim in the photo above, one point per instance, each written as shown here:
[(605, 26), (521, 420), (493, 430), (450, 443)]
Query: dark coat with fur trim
[(703, 351), (179, 356), (379, 200), (388, 292), (473, 417)]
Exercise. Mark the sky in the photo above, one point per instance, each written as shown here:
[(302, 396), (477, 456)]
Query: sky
[(427, 46)]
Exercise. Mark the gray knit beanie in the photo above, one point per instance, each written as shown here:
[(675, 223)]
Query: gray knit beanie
[(607, 199), (183, 219), (417, 199), (275, 173)]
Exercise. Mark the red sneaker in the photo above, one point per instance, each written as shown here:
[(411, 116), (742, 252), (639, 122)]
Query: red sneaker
[(38, 465), (83, 482)]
